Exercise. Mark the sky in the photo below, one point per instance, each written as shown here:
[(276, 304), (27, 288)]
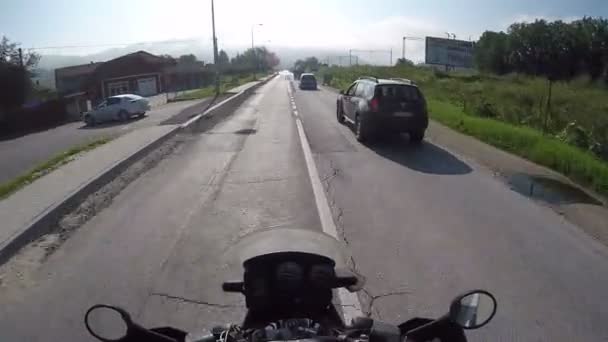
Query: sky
[(331, 24)]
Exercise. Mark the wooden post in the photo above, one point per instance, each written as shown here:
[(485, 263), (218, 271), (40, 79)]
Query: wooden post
[(548, 107)]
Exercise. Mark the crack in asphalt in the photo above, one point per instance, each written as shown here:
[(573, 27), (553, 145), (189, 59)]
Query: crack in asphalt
[(335, 172), (338, 211), (266, 180), (194, 301), (373, 299)]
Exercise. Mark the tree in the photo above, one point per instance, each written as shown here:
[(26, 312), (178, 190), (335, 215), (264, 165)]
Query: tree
[(187, 59), (492, 52), (9, 54), (15, 73), (309, 64), (222, 58), (167, 58), (557, 50), (404, 61), (271, 60), (259, 58)]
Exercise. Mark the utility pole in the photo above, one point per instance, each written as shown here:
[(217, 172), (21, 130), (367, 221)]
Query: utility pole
[(403, 49), (255, 62), (391, 57), (350, 57), (215, 62), (21, 58)]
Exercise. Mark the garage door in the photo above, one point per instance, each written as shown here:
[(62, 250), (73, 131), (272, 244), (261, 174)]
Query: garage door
[(147, 86)]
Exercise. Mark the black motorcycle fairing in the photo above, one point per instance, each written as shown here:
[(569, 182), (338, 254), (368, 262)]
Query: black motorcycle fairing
[(289, 273)]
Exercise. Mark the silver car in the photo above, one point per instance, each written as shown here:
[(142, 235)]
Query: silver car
[(119, 107)]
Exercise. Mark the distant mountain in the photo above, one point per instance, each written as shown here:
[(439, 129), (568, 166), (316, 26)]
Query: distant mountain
[(204, 52)]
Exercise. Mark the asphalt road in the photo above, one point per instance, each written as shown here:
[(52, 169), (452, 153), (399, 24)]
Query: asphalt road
[(420, 221), (21, 154), (164, 241), (423, 221)]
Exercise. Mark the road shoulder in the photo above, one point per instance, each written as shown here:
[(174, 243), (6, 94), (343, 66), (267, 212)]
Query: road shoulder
[(580, 206), (546, 187)]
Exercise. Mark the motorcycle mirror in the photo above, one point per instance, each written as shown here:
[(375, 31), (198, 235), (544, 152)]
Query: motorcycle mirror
[(107, 323), (473, 309)]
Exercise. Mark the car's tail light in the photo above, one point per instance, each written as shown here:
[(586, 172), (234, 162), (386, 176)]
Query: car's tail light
[(374, 104)]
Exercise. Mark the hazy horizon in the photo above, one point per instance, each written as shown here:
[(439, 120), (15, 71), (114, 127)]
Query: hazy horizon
[(94, 27)]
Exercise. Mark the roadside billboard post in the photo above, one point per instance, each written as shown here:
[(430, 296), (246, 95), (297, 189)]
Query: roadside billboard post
[(449, 52)]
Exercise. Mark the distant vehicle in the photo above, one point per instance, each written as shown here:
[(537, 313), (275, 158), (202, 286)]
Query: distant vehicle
[(308, 81), (119, 107), (377, 106)]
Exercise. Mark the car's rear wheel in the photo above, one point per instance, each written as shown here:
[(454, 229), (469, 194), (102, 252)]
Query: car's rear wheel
[(89, 120), (416, 137), (123, 115), (340, 113)]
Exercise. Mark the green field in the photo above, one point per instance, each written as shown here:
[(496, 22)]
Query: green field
[(511, 113)]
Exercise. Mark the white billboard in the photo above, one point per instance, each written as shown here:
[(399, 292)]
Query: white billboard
[(452, 52)]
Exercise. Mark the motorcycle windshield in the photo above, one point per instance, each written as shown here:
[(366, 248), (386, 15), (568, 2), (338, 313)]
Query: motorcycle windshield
[(279, 240)]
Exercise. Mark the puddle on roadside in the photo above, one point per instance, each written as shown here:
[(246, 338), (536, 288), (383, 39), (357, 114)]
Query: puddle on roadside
[(548, 190)]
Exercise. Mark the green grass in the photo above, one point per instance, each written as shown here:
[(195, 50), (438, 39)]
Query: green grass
[(579, 165), (44, 168), (226, 83), (514, 98)]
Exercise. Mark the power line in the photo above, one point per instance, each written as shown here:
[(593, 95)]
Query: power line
[(110, 45)]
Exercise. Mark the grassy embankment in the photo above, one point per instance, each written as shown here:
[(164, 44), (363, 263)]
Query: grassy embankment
[(42, 169), (510, 113)]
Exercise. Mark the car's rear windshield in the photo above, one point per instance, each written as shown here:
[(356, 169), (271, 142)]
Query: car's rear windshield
[(308, 78), (398, 92)]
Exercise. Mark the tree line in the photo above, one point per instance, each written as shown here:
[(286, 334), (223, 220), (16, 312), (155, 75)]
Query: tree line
[(259, 58), (554, 49), (16, 70)]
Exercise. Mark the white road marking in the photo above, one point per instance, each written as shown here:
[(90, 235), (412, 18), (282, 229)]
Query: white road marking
[(351, 306)]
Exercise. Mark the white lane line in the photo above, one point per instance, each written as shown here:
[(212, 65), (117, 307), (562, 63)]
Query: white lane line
[(351, 306)]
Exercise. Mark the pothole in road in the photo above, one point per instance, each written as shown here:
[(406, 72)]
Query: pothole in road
[(549, 190)]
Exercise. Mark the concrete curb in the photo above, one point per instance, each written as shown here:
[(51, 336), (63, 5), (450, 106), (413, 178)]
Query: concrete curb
[(219, 111), (45, 221)]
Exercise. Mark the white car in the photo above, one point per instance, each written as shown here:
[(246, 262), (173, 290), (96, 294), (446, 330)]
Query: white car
[(119, 107)]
